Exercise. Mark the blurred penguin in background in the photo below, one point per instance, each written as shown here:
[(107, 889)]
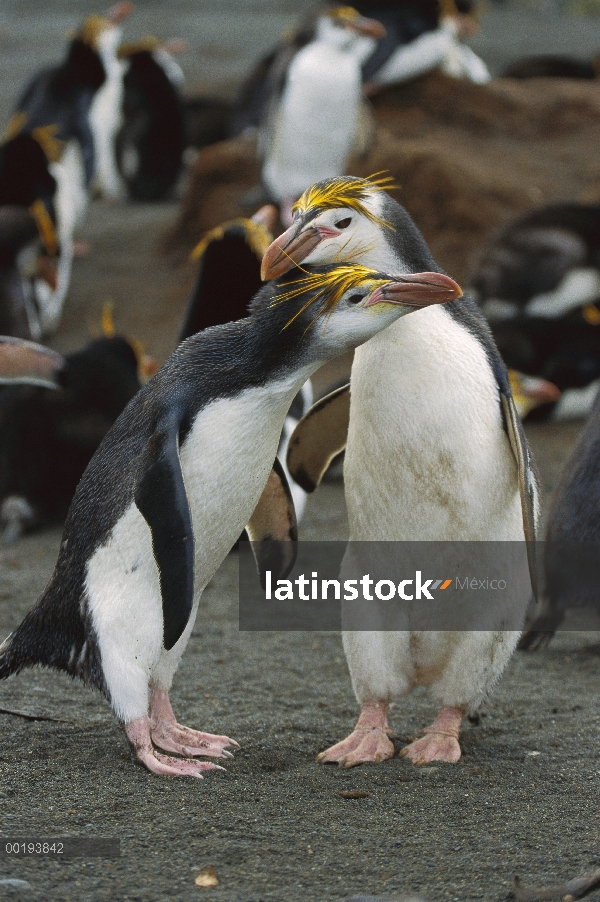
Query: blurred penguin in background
[(422, 35), (314, 124), (151, 140), (52, 423), (229, 261), (28, 239), (538, 283)]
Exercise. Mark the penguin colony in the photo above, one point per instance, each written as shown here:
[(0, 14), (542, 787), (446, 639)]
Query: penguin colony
[(142, 538)]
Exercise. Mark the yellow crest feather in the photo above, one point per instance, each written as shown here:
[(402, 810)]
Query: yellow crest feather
[(92, 28), (16, 124), (329, 287), (346, 192), (343, 14), (257, 237), (45, 227), (52, 146)]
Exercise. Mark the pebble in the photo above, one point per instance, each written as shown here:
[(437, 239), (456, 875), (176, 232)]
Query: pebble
[(13, 883)]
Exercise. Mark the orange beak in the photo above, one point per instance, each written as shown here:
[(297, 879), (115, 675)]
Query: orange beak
[(288, 250), (370, 28), (421, 289)]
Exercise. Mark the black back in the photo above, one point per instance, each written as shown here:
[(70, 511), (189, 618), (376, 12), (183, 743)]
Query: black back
[(229, 270)]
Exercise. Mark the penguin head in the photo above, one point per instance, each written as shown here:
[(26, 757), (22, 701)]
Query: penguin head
[(344, 27), (327, 310), (349, 219)]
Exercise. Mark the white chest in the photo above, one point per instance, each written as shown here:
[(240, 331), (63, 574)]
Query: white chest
[(427, 457)]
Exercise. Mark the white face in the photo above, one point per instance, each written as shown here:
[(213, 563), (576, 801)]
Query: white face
[(348, 236), (354, 320)]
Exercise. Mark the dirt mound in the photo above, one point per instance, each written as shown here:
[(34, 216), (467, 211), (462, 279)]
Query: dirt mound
[(467, 158)]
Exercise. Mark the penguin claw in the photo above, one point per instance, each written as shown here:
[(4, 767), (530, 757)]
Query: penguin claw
[(433, 747), (139, 734), (359, 748), (171, 737)]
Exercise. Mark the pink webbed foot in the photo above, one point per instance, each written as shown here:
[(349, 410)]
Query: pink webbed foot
[(139, 734), (171, 736), (440, 742), (368, 743)]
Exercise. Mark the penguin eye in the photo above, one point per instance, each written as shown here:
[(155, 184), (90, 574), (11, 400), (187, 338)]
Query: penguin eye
[(355, 299), (343, 223)]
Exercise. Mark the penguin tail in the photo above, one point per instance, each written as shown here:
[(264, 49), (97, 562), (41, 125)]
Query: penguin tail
[(53, 634)]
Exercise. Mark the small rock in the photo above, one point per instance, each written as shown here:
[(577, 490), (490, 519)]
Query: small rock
[(207, 877), (353, 794), (13, 883)]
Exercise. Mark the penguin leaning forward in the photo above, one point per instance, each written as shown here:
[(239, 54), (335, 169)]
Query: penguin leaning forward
[(173, 484), (434, 452)]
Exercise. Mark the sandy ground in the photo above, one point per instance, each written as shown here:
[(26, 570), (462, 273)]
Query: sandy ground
[(523, 800)]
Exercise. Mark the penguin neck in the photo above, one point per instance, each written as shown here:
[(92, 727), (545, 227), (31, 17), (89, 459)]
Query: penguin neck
[(253, 353)]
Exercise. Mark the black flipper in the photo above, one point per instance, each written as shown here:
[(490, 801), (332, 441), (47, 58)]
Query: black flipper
[(272, 530), (161, 499), (320, 435), (520, 449)]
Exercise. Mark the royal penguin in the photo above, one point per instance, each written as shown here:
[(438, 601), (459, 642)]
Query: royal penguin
[(313, 125), (188, 464), (565, 351), (151, 140), (49, 433), (421, 37), (229, 260), (106, 109), (29, 247), (435, 451), (545, 263), (572, 538)]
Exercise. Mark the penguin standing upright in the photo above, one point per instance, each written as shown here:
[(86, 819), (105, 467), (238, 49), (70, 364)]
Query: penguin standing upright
[(314, 123), (435, 452), (28, 237), (151, 140), (173, 484), (106, 108), (572, 538)]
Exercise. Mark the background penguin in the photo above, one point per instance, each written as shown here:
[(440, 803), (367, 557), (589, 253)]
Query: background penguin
[(314, 124), (49, 434), (572, 537), (173, 484), (105, 110), (229, 259), (151, 140), (537, 282), (565, 351), (28, 238), (544, 263), (435, 452)]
